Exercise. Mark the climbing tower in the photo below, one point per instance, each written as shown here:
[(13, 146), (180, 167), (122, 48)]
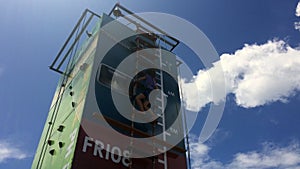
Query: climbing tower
[(94, 121)]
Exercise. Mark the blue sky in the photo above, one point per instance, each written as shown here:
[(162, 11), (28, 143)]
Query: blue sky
[(260, 124)]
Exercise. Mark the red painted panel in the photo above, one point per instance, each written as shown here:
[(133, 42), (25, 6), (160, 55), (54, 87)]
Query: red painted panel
[(90, 153)]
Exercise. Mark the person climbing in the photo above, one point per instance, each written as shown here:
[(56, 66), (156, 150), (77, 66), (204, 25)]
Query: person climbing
[(143, 87)]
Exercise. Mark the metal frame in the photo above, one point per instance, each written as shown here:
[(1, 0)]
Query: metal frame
[(61, 58), (140, 21), (56, 64)]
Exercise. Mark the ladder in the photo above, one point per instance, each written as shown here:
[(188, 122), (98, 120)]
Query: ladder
[(159, 107), (133, 111)]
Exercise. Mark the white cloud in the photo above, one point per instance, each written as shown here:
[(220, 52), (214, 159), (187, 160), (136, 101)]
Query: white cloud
[(298, 9), (271, 156), (200, 158), (255, 74), (297, 26), (10, 151)]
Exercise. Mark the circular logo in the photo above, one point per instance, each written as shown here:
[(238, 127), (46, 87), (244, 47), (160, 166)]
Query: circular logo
[(137, 85)]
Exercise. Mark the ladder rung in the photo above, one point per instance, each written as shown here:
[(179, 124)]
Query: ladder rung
[(161, 150), (141, 56), (159, 114), (169, 134), (158, 99), (159, 123), (161, 161)]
